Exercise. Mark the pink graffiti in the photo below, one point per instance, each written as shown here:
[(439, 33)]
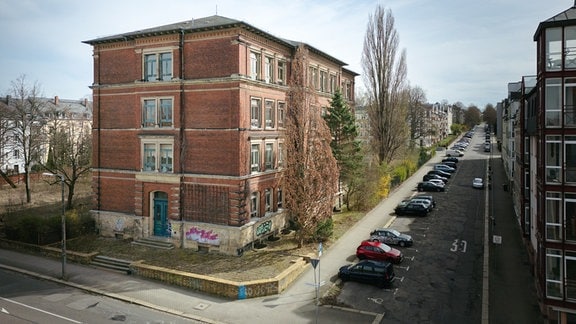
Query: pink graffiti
[(202, 236)]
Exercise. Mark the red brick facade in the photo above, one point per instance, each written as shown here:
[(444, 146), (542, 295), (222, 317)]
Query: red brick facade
[(190, 115)]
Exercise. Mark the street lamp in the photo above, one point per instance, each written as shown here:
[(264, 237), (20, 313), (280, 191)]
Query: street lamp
[(63, 223)]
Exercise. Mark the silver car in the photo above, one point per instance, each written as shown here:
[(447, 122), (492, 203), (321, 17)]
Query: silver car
[(391, 237)]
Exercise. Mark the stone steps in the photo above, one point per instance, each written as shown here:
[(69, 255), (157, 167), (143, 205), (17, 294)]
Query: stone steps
[(154, 243), (111, 263)]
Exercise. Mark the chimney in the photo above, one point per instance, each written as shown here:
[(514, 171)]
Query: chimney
[(85, 102), (56, 100)]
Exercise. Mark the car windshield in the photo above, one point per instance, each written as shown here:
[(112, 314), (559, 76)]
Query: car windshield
[(395, 232), (385, 247)]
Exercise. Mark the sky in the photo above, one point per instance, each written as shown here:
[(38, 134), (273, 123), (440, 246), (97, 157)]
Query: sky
[(457, 50)]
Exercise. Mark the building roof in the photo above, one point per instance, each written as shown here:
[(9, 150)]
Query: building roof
[(565, 18), (204, 24)]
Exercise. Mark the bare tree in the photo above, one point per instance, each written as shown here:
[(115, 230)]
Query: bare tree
[(70, 150), (311, 176), (385, 79), (416, 114), (28, 117), (6, 126)]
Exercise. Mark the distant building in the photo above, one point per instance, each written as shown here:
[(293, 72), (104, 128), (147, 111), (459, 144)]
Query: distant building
[(188, 131)]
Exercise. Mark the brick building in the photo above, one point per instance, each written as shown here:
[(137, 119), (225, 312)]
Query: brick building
[(188, 131)]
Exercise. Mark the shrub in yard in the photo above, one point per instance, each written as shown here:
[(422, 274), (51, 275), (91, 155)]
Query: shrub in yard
[(324, 230)]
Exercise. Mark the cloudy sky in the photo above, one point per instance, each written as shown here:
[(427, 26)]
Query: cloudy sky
[(457, 50)]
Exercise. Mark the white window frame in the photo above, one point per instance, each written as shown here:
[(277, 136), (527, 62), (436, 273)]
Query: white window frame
[(268, 69), (569, 159), (158, 110), (553, 102), (159, 145), (281, 75), (255, 65), (255, 205), (269, 155), (281, 114), (554, 49), (554, 274), (553, 168), (255, 113), (254, 157), (162, 69), (269, 112), (553, 216)]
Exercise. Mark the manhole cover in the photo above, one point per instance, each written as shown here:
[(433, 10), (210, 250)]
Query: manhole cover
[(201, 306)]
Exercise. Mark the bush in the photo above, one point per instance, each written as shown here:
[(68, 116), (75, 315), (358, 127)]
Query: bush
[(324, 230)]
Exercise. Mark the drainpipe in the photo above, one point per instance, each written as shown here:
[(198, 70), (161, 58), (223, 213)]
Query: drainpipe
[(181, 137)]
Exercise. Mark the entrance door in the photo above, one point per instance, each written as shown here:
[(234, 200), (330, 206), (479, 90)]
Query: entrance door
[(161, 214)]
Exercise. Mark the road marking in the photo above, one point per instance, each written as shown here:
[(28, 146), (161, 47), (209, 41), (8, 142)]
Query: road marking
[(39, 310)]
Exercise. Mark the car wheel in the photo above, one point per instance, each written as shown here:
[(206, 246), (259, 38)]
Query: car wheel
[(402, 243), (375, 240), (361, 257)]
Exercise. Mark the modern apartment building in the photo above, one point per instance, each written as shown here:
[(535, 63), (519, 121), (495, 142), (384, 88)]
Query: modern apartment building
[(188, 131)]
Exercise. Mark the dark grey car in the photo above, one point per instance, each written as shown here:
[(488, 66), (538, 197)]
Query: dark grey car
[(391, 237)]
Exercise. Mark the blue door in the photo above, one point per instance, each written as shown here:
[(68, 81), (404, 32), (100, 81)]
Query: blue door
[(161, 214)]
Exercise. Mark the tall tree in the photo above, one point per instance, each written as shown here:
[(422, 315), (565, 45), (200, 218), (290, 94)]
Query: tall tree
[(472, 116), (489, 115), (416, 114), (345, 148), (311, 176), (70, 151), (28, 112), (385, 78)]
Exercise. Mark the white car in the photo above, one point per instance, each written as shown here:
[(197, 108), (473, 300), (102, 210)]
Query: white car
[(438, 182), (478, 183)]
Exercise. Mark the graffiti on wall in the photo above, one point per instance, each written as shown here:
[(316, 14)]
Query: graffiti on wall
[(119, 226), (264, 228), (202, 236)]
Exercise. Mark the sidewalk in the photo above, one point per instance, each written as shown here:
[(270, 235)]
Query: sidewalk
[(512, 287)]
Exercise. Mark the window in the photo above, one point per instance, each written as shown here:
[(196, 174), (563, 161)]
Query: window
[(157, 112), (553, 216), (313, 78), (553, 100), (553, 159), (280, 198), (255, 62), (269, 156), (269, 114), (268, 69), (570, 158), (570, 216), (553, 273), (553, 49), (570, 102), (157, 156), (255, 158), (280, 155), (254, 204), (16, 154), (323, 81), (281, 113), (570, 47), (281, 72), (158, 67), (571, 275), (268, 200), (255, 113), (333, 83)]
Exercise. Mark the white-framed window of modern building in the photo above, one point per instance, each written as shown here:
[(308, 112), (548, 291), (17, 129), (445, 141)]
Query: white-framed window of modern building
[(553, 159), (255, 65), (570, 47), (268, 69), (553, 101), (553, 216), (157, 66), (570, 216), (554, 273), (255, 113), (569, 102), (254, 204), (269, 155), (157, 112), (281, 114), (254, 157), (268, 200), (554, 49), (157, 154), (570, 259), (269, 114), (281, 76), (570, 159)]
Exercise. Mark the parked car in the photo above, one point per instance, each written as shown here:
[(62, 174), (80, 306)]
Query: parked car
[(438, 182), (427, 197), (378, 251), (456, 153), (412, 209), (453, 165), (441, 173), (427, 177), (450, 159), (444, 167), (487, 147), (478, 183), (372, 272), (429, 186), (391, 236), (426, 202)]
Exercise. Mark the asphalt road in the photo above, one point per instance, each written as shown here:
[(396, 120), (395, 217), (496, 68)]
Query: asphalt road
[(440, 281)]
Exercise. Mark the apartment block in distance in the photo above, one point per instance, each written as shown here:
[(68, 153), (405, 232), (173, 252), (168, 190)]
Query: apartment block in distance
[(188, 131)]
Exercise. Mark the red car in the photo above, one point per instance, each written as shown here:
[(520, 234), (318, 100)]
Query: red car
[(378, 251)]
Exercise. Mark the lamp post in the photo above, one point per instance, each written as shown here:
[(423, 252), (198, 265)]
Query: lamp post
[(63, 223)]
